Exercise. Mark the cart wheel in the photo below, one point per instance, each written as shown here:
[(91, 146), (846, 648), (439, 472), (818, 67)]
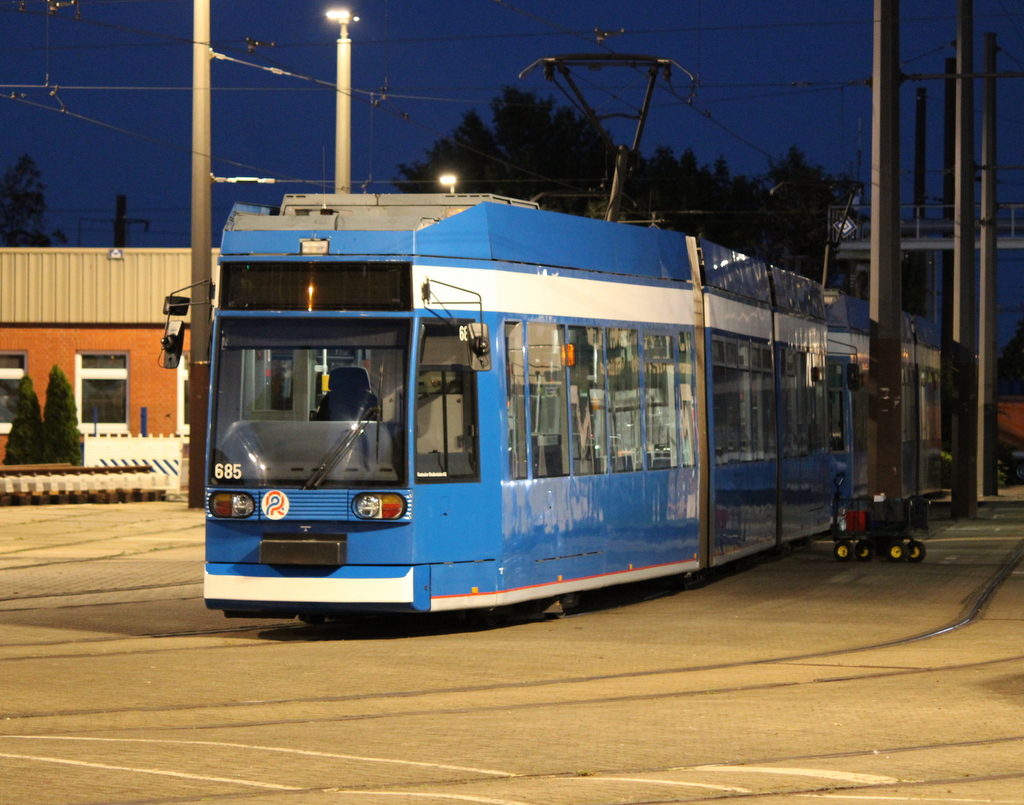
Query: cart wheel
[(915, 551), (896, 551), (864, 550), (843, 550)]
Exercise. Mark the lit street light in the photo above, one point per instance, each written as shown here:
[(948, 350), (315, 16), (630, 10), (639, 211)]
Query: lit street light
[(343, 115), (450, 180)]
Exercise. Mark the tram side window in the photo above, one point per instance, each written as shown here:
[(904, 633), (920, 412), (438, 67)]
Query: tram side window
[(755, 382), (548, 406), (819, 400), (859, 413), (909, 402), (725, 377), (515, 381), (931, 411), (745, 406), (588, 411), (790, 404), (687, 392), (765, 391), (660, 398), (803, 398), (836, 412), (446, 418), (624, 399)]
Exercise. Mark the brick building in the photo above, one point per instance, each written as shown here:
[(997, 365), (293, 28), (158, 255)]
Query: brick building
[(97, 314)]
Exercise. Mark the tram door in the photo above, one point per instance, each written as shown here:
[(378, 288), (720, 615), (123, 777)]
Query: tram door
[(451, 520)]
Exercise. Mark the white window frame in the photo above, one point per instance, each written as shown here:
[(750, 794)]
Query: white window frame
[(13, 374), (85, 426), (184, 429)]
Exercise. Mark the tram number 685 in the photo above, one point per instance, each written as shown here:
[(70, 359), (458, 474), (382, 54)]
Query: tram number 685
[(227, 472)]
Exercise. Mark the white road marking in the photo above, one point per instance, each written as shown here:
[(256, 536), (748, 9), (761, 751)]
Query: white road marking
[(845, 776), (911, 799), (600, 779), (258, 748), (460, 797), (159, 772)]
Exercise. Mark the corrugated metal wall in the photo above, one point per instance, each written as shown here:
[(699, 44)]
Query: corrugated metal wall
[(87, 286)]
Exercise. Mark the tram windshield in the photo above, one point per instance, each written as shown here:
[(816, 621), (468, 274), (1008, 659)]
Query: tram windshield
[(314, 402)]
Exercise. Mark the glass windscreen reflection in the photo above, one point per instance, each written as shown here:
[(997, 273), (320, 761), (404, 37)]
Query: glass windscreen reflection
[(287, 391)]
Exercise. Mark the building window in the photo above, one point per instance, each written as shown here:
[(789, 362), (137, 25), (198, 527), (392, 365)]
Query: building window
[(101, 392), (12, 369)]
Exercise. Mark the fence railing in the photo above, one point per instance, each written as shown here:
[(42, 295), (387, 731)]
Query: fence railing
[(928, 221)]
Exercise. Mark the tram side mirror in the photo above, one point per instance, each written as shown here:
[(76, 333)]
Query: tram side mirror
[(176, 305), (853, 376), (480, 347), (172, 344)]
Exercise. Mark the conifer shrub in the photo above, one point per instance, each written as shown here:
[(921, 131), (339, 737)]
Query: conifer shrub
[(61, 438), (25, 442)]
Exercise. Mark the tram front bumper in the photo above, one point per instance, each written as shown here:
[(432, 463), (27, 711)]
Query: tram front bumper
[(350, 588)]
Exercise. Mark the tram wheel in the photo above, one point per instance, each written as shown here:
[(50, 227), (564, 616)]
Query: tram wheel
[(896, 551), (915, 551), (864, 550), (843, 550)]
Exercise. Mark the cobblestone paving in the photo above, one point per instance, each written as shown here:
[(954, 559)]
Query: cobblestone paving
[(784, 683)]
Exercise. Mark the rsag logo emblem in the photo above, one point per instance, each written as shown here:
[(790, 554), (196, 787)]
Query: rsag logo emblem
[(275, 504)]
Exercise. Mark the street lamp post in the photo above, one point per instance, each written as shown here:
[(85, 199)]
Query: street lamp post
[(343, 109)]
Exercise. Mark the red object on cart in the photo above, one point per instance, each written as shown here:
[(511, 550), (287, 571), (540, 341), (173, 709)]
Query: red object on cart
[(856, 520)]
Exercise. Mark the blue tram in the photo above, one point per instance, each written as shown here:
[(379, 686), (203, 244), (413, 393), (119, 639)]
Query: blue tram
[(848, 358), (426, 403)]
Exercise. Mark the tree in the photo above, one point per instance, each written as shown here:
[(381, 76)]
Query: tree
[(61, 438), (798, 203), (23, 207), (531, 149), (1011, 361), (701, 200), (24, 443)]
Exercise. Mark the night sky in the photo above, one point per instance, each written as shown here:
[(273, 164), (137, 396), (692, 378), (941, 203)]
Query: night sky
[(771, 75)]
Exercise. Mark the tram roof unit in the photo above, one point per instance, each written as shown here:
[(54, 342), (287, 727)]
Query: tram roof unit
[(470, 227), (846, 312), (797, 294)]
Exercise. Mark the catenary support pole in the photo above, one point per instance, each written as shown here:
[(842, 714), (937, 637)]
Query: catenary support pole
[(199, 351), (885, 423), (964, 492), (988, 316)]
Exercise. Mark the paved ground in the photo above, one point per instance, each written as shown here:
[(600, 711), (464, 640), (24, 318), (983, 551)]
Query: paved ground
[(789, 681)]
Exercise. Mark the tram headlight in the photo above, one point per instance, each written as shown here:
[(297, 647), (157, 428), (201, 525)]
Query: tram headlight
[(231, 504), (379, 506)]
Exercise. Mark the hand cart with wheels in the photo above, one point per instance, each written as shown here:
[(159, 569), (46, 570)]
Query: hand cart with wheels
[(865, 527)]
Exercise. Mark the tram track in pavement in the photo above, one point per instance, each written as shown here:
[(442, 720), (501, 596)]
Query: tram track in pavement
[(505, 706), (842, 785), (329, 631), (800, 661), (650, 781)]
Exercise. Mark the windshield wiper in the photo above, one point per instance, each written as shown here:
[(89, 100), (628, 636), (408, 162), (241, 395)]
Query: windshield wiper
[(342, 448)]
